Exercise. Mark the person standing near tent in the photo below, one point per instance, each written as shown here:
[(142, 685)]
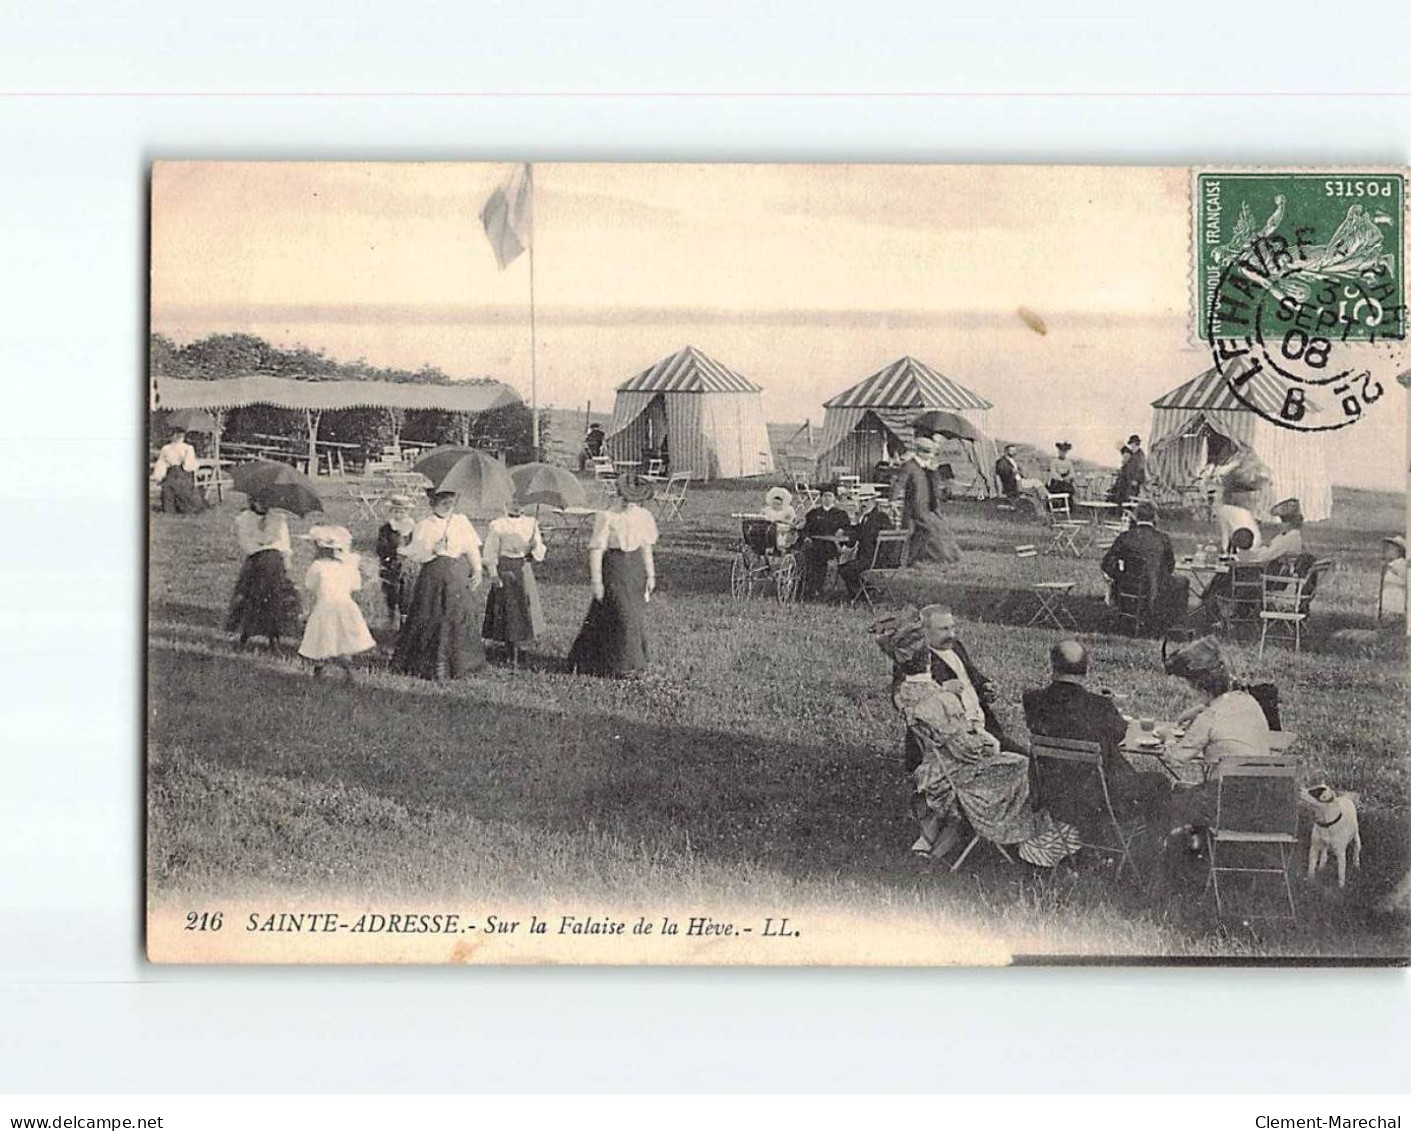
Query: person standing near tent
[(622, 571), (175, 470), (1131, 477), (918, 488), (438, 638), (265, 602), (592, 445)]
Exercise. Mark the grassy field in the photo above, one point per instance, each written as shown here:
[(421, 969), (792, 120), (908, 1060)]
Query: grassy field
[(759, 762)]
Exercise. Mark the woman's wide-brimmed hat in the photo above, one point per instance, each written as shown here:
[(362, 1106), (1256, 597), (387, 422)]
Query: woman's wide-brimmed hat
[(400, 503), (1288, 509), (1063, 446), (1134, 439), (778, 497), (901, 635), (433, 494), (331, 537), (1196, 658), (631, 489)]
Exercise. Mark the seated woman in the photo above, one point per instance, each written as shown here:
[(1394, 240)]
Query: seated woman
[(1228, 722), (963, 772)]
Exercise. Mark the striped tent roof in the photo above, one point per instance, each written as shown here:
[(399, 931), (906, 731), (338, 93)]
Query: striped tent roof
[(1211, 390), (478, 395), (688, 371), (908, 383)]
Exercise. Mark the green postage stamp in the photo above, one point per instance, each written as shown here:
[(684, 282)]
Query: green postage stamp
[(1319, 245), (1298, 275)]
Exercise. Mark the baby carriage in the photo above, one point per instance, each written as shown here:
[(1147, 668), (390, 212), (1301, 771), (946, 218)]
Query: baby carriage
[(760, 562)]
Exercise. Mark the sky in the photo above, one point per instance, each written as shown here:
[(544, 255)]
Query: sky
[(804, 278)]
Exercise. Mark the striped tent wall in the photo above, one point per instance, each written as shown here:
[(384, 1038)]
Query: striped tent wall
[(887, 402), (713, 418), (1178, 450)]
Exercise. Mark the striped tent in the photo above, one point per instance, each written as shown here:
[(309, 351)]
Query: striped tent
[(872, 420), (1203, 422), (707, 417)]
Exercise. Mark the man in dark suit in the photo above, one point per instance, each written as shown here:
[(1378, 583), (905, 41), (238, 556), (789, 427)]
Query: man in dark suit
[(1007, 472), (1142, 558), (863, 532), (1067, 709), (950, 661)]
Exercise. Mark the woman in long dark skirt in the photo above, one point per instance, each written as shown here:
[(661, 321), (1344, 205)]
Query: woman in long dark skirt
[(265, 602), (514, 614), (175, 470), (439, 639), (613, 639)]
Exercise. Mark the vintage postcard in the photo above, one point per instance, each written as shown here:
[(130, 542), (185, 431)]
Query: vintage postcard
[(712, 564)]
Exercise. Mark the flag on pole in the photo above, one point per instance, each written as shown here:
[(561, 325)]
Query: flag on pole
[(508, 217)]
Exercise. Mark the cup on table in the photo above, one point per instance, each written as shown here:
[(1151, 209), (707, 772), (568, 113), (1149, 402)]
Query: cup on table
[(1147, 723)]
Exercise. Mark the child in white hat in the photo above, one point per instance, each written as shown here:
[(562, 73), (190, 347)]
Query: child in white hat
[(336, 630)]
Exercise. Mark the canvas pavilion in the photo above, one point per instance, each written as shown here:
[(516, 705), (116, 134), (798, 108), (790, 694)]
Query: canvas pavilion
[(1203, 422), (707, 418), (870, 423)]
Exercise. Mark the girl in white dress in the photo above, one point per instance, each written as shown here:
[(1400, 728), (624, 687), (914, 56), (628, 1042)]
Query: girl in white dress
[(336, 630)]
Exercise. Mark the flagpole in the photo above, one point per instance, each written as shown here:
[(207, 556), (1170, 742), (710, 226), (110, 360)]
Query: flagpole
[(533, 338)]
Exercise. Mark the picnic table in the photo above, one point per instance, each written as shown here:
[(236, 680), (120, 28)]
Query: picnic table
[(1146, 750)]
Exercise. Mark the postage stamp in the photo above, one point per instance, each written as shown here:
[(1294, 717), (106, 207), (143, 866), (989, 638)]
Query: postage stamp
[(1299, 277)]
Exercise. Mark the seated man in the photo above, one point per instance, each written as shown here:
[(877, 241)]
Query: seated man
[(821, 529), (1067, 709), (950, 661), (1008, 473), (1144, 552), (863, 532)]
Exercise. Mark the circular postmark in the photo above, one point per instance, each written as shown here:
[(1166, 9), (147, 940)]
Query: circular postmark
[(1303, 330)]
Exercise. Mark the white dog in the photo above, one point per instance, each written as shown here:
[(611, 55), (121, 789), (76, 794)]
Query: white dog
[(1334, 829)]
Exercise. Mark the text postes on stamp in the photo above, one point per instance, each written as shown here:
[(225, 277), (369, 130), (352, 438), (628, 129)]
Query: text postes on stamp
[(1300, 276)]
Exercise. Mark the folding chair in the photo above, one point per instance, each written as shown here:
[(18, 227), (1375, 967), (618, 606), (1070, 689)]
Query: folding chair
[(1132, 597), (888, 557), (673, 497), (976, 838), (1051, 596), (656, 470), (1256, 810), (1081, 762), (1285, 600)]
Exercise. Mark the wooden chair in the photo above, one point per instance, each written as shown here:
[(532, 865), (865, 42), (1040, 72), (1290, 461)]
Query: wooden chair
[(656, 470), (1051, 597), (888, 558), (1256, 810), (1132, 597), (1081, 763), (673, 497), (1285, 600)]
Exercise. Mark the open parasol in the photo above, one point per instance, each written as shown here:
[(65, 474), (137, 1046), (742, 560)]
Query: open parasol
[(276, 485), (543, 484), (192, 420), (482, 482), (947, 424)]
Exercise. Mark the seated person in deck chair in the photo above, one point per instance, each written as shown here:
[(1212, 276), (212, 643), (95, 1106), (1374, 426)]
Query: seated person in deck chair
[(1008, 473), (872, 520), (1146, 552), (1067, 709)]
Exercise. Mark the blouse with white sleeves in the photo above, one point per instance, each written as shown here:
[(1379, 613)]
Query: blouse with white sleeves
[(627, 530), (176, 454), (514, 537), (436, 537), (257, 532)]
